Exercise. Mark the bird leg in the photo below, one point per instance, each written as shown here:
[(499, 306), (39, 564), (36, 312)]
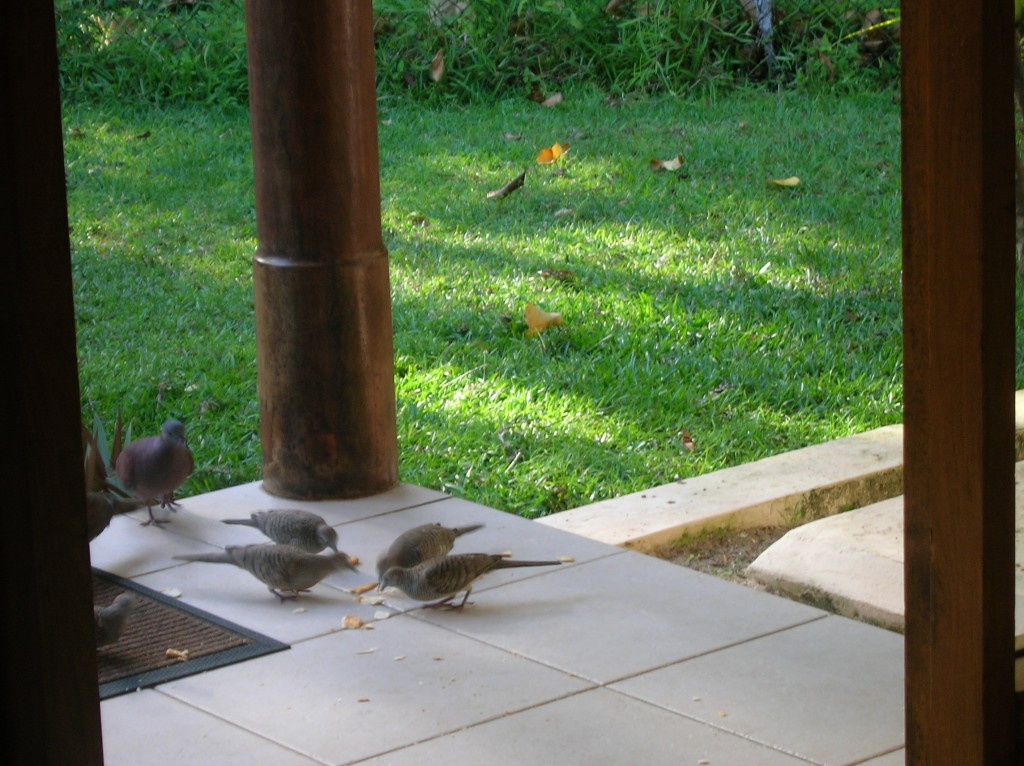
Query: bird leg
[(447, 602), (152, 519), (464, 598), (288, 595), (168, 501), (438, 604)]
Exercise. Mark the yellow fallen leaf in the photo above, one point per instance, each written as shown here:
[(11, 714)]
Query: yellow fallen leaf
[(789, 182), (551, 154), (437, 67), (537, 319), (673, 164)]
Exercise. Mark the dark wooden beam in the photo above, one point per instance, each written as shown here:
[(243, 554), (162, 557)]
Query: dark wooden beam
[(50, 695), (323, 301), (958, 284)]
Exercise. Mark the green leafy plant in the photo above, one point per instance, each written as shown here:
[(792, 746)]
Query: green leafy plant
[(100, 455), (193, 51), (153, 51)]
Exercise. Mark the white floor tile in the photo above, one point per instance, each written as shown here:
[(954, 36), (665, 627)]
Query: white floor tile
[(150, 729), (617, 616), (359, 693), (595, 727), (830, 691)]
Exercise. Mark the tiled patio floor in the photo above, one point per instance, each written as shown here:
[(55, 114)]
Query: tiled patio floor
[(615, 658)]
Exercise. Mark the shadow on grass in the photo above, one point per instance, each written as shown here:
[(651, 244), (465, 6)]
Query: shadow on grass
[(673, 322)]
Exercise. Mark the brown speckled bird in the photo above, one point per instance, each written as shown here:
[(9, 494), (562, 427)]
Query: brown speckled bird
[(284, 569), (152, 468), (110, 620), (101, 507), (427, 541), (445, 578), (292, 526)]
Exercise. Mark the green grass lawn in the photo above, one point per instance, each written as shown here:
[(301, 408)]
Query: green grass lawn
[(756, 319)]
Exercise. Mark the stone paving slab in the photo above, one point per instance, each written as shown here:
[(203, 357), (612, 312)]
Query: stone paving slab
[(782, 490), (852, 563), (803, 484)]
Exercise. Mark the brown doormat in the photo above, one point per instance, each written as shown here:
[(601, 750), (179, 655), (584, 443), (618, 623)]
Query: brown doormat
[(164, 640)]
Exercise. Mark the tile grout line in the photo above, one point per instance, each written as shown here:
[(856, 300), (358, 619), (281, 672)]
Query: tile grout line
[(731, 732), (382, 514), (715, 650), (235, 725), (879, 754), (473, 725)]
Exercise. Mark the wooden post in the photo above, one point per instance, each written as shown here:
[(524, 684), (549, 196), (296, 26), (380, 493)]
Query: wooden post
[(323, 303), (50, 694), (959, 281)]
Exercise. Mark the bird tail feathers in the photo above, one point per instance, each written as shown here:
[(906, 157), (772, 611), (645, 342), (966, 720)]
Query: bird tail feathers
[(508, 563), (219, 557)]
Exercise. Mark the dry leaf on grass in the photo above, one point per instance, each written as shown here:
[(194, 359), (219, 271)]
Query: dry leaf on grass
[(553, 100), (785, 182), (537, 319), (673, 164), (686, 441), (437, 67)]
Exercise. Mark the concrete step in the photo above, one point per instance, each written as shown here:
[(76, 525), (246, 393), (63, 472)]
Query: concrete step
[(852, 564), (782, 490), (788, 489), (848, 561)]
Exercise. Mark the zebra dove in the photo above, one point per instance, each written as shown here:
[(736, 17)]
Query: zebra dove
[(101, 507), (303, 529), (427, 541), (152, 468), (284, 569), (110, 620), (444, 578)]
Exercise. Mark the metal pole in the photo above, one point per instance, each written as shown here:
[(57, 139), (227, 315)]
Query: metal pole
[(323, 303)]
